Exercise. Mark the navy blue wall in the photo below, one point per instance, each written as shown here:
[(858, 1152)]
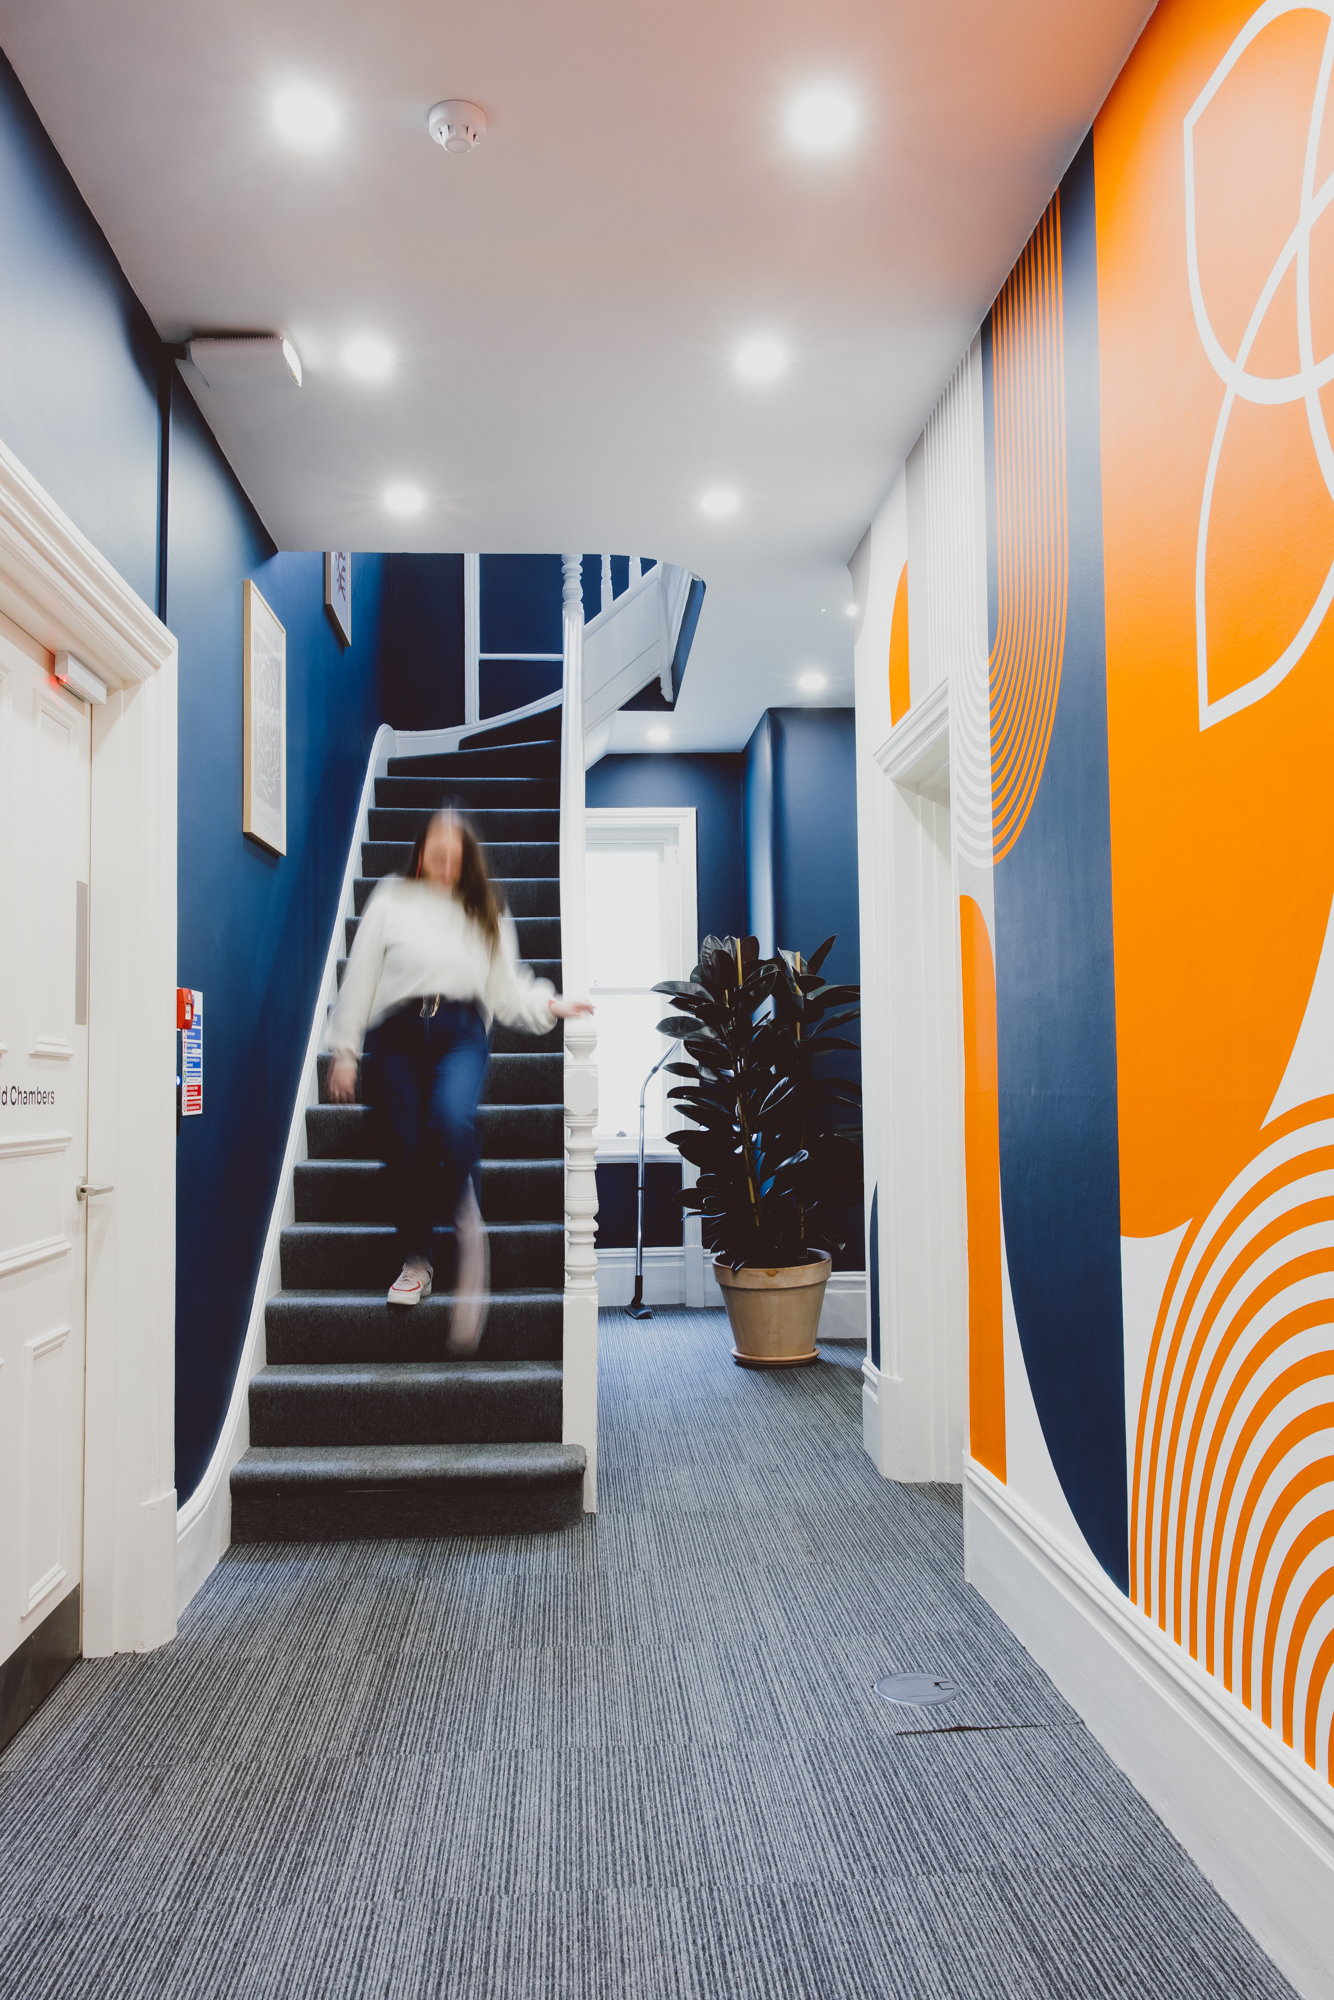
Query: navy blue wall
[(713, 785), (618, 1202), (84, 385), (800, 783), (253, 928), (79, 357), (423, 642)]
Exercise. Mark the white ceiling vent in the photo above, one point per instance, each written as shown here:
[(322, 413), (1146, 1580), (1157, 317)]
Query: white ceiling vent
[(456, 124), (245, 360)]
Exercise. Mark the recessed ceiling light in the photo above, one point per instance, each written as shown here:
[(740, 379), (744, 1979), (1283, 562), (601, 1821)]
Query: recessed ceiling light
[(404, 499), (718, 502), (369, 359), (761, 359), (812, 682), (306, 118), (822, 118), (659, 735), (852, 611)]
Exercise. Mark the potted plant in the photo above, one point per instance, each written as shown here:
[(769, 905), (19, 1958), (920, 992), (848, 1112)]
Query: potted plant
[(776, 1137)]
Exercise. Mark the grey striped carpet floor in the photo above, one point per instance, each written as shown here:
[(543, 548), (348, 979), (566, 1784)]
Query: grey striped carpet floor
[(635, 1761)]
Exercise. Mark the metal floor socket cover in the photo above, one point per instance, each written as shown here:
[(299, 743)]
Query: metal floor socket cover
[(917, 1690)]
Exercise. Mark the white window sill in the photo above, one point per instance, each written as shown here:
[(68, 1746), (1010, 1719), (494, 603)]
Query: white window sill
[(612, 1150)]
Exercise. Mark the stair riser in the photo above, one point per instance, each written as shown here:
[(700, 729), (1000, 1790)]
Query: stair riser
[(483, 1413), (522, 1076), (539, 942), (507, 861), (522, 896), (292, 1513), (304, 1327), (512, 760), (359, 1191), (493, 828), (472, 795), (506, 1132), (357, 1257)]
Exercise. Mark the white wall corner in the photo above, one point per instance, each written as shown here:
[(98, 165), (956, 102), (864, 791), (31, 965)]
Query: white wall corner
[(1257, 1821)]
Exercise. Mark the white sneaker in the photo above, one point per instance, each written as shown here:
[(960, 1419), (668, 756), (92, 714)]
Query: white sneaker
[(472, 1282), (411, 1286)]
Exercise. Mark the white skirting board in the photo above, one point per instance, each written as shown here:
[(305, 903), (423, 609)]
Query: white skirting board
[(1253, 1816), (664, 1277), (842, 1318), (204, 1523)]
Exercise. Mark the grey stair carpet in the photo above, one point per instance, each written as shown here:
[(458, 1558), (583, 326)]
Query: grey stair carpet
[(360, 1424), (636, 1760)]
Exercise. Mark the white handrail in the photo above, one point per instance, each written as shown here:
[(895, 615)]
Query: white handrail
[(580, 1313)]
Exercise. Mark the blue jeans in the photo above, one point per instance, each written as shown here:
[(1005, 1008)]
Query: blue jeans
[(425, 1078)]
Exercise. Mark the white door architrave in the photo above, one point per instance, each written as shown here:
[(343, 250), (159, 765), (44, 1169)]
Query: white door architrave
[(58, 590)]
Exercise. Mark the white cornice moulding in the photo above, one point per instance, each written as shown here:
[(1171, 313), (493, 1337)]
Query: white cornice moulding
[(56, 586), (916, 753), (1257, 1820)]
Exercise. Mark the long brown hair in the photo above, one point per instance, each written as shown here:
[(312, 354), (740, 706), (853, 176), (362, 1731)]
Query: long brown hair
[(473, 887)]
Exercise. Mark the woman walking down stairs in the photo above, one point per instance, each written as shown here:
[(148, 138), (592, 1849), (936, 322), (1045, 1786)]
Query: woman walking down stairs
[(360, 1424)]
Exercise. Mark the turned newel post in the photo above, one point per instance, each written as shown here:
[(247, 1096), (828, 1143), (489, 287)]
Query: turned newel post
[(580, 1313)]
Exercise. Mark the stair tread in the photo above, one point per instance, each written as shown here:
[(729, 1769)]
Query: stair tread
[(372, 1374), (405, 1464)]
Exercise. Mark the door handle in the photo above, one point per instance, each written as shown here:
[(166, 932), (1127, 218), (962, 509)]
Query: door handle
[(85, 1189)]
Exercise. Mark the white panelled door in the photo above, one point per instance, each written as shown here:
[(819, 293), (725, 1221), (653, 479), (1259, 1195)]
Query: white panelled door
[(45, 783)]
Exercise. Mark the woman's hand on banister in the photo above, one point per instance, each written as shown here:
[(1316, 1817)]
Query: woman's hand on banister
[(342, 1078), (564, 1009)]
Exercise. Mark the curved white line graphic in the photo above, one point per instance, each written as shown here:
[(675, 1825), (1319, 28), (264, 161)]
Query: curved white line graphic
[(1232, 371)]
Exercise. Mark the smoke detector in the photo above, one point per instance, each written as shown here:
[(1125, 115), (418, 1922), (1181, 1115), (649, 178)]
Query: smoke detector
[(456, 124)]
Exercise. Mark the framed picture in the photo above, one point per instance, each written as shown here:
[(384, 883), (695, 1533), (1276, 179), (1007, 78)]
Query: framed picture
[(264, 722), (338, 591)]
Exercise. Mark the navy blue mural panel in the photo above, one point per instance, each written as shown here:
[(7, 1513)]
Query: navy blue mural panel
[(79, 357), (423, 664), (712, 784), (1054, 983), (254, 929)]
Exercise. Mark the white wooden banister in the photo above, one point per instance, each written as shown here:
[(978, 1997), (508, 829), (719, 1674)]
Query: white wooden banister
[(580, 1314)]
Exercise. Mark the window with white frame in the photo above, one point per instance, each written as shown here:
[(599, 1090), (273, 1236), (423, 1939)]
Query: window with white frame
[(642, 927)]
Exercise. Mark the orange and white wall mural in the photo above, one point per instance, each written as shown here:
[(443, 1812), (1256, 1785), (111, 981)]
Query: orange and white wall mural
[(1159, 388)]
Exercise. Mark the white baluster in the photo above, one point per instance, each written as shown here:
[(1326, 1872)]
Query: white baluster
[(606, 582), (580, 1311), (635, 570)]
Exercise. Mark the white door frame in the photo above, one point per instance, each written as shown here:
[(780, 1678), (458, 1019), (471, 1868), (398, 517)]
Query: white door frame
[(56, 588), (686, 1271), (914, 1406)]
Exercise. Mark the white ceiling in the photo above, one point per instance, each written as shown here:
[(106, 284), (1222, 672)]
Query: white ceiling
[(564, 301)]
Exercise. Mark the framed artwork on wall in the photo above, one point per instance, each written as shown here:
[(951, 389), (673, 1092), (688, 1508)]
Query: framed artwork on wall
[(263, 722), (338, 591)]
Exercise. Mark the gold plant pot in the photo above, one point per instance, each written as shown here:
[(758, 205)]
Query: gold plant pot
[(774, 1314)]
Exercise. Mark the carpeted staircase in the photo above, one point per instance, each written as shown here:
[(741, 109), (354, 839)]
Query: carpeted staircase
[(358, 1425)]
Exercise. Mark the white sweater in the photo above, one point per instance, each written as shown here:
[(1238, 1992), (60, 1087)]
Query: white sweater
[(415, 939)]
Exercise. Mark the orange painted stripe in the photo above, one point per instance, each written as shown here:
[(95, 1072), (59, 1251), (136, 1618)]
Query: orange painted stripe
[(1322, 1159), (1315, 1688), (1319, 1473), (1321, 1591), (1313, 1264), (1151, 1403), (1032, 526), (900, 682), (981, 1121)]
